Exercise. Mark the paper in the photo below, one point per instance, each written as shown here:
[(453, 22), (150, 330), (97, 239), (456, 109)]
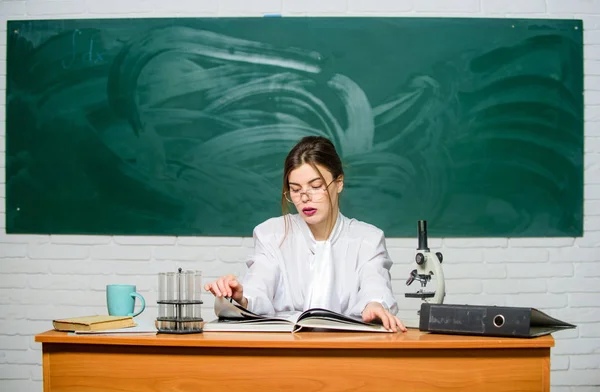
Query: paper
[(142, 328)]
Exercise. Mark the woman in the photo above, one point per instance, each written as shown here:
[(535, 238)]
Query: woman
[(317, 257)]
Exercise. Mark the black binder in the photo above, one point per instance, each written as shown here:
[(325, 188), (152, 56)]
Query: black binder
[(504, 321)]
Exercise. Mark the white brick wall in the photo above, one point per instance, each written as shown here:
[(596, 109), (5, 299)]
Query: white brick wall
[(44, 277)]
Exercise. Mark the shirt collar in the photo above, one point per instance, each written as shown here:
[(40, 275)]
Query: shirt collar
[(308, 235)]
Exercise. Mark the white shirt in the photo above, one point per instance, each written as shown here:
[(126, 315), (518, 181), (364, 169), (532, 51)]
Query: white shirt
[(342, 274)]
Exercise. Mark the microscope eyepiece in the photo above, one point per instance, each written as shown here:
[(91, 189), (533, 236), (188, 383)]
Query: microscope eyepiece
[(422, 235)]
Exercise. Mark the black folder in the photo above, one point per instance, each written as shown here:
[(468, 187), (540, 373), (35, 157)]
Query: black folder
[(503, 321)]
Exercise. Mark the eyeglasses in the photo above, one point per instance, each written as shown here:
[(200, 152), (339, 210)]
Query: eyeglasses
[(313, 194)]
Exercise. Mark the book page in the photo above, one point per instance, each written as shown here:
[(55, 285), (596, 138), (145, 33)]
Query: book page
[(326, 319), (328, 314), (232, 311), (291, 316), (333, 324)]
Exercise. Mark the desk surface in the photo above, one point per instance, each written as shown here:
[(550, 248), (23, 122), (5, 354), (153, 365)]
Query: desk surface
[(341, 340)]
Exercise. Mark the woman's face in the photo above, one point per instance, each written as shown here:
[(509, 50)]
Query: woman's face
[(311, 195)]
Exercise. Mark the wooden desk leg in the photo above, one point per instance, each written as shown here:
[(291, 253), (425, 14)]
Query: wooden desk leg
[(46, 368), (546, 370)]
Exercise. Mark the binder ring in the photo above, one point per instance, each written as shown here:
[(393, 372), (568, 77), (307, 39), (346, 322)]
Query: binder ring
[(498, 321)]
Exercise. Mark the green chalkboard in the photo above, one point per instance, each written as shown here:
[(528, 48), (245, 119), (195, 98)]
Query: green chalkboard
[(180, 126)]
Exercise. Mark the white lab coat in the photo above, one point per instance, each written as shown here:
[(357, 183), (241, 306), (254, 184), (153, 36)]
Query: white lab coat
[(351, 270)]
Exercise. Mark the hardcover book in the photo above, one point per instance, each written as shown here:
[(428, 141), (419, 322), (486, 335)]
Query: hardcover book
[(235, 318), (93, 323)]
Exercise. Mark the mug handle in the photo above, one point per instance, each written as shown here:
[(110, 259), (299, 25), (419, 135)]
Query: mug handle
[(143, 304)]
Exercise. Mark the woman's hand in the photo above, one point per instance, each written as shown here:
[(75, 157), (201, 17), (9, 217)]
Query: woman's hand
[(375, 310), (227, 286)]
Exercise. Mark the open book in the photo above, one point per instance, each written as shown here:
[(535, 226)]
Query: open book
[(235, 318)]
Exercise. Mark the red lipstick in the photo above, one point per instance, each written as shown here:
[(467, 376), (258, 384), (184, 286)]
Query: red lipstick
[(309, 211)]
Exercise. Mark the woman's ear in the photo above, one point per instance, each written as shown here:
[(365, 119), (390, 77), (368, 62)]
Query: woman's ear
[(340, 183)]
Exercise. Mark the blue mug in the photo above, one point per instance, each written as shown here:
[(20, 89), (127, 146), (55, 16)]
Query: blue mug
[(120, 300)]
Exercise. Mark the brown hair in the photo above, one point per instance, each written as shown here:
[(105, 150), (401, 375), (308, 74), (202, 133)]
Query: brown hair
[(312, 150)]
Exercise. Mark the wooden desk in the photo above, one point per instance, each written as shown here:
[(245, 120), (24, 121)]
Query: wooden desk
[(309, 361)]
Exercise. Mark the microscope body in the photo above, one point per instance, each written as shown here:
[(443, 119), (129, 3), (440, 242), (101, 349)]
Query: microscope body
[(428, 265)]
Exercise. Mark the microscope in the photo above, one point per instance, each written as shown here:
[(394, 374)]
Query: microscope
[(428, 265)]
